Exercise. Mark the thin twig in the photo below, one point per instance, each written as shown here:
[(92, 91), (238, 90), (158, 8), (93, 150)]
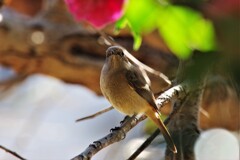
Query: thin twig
[(146, 143), (95, 114), (134, 60), (98, 114), (204, 112), (149, 140), (12, 153), (118, 134)]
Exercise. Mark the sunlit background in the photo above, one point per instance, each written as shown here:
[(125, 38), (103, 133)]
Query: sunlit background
[(38, 112)]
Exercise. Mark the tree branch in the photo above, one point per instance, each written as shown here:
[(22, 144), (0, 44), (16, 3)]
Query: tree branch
[(178, 91), (172, 93), (184, 125), (118, 134), (149, 140), (12, 152)]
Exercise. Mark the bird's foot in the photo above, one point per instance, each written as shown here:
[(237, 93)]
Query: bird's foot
[(124, 120)]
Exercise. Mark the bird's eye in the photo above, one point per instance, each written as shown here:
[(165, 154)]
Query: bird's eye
[(121, 53)]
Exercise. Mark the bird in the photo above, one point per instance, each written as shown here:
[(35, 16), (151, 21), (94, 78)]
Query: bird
[(127, 87)]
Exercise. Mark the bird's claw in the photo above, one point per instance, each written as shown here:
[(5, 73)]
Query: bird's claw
[(124, 120), (115, 129)]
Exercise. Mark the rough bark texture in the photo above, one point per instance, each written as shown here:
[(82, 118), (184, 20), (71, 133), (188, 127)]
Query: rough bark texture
[(184, 127)]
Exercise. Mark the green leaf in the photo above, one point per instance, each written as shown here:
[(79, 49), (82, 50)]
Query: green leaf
[(137, 41), (120, 24), (140, 17), (183, 29)]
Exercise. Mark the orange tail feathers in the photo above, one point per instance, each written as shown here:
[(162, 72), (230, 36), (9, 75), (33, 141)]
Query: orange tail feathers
[(155, 117)]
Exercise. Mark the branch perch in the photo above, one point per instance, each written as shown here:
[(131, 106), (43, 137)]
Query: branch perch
[(12, 152), (149, 140), (178, 91), (118, 134)]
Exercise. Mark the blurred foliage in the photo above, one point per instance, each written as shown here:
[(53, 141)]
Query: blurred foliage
[(182, 28)]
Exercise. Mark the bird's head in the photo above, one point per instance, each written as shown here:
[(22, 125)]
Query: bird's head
[(115, 57), (114, 51)]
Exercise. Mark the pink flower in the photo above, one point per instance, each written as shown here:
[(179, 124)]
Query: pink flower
[(97, 12)]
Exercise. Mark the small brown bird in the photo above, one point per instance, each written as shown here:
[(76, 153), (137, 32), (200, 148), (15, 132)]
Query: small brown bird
[(127, 88)]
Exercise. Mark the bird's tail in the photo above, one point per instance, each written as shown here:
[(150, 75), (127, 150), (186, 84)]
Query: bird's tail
[(155, 117)]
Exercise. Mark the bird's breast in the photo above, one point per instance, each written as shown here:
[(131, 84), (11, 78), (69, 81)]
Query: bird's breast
[(116, 89)]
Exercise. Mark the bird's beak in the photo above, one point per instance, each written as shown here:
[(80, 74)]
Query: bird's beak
[(114, 60)]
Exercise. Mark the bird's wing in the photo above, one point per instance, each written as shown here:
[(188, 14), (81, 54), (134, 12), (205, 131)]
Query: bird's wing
[(138, 80)]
